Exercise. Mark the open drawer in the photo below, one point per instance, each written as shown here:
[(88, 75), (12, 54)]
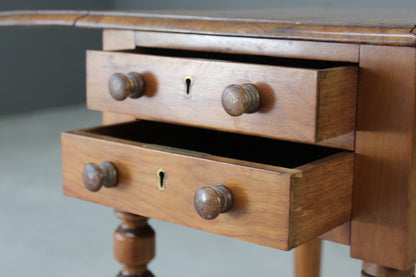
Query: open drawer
[(306, 101), (283, 194)]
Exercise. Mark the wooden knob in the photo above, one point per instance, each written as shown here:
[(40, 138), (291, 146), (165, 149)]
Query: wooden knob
[(96, 176), (122, 86), (209, 202), (237, 99)]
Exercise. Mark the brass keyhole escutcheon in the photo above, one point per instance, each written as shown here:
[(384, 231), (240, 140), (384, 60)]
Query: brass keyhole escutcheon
[(161, 175), (188, 81)]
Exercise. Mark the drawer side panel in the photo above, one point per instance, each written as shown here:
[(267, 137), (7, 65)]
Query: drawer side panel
[(337, 102), (322, 199)]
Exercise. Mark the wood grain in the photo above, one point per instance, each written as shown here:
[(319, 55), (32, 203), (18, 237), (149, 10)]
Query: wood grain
[(369, 26), (244, 45), (262, 212), (332, 173), (324, 25), (308, 259), (373, 270), (336, 95), (288, 95), (40, 18), (383, 227)]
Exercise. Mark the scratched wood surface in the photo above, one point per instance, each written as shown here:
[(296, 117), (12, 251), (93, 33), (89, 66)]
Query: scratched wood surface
[(129, 39), (369, 26)]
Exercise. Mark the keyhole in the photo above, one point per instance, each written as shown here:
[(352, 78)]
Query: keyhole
[(161, 174), (188, 83)]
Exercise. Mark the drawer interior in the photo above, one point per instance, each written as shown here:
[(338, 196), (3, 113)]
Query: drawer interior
[(218, 143), (247, 59), (284, 193)]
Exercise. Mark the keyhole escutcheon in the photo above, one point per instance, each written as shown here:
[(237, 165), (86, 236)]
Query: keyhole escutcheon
[(188, 81), (161, 175)]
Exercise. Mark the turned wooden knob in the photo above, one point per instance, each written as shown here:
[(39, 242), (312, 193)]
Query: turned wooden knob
[(237, 99), (122, 86), (209, 202), (96, 176)]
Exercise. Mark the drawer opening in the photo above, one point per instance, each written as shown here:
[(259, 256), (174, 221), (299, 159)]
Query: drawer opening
[(251, 59), (218, 143)]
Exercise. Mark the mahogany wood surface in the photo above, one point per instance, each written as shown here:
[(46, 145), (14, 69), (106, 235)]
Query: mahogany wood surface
[(308, 259), (309, 218), (40, 18), (370, 26), (128, 40), (134, 245), (273, 206), (234, 45), (384, 222), (373, 270), (336, 107), (302, 104)]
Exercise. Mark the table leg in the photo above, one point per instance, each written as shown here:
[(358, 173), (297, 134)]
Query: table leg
[(374, 270), (308, 259), (134, 245)]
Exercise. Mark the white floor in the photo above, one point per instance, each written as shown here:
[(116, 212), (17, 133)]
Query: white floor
[(43, 233)]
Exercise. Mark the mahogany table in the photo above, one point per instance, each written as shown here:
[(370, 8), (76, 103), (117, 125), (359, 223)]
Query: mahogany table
[(279, 127)]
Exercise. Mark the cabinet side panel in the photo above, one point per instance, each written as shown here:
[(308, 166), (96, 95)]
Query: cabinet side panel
[(381, 228), (411, 251)]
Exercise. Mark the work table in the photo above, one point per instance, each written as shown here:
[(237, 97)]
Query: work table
[(329, 92)]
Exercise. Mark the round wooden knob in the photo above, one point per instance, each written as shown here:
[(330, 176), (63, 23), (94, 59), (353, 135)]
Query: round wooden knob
[(96, 176), (237, 99), (209, 202), (122, 86)]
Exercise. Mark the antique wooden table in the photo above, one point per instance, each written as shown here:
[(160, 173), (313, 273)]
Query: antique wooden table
[(277, 127)]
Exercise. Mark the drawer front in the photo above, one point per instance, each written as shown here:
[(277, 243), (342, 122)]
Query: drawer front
[(308, 105), (272, 206)]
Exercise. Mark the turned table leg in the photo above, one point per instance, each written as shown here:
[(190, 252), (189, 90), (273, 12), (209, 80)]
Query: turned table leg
[(308, 259), (374, 270), (134, 245)]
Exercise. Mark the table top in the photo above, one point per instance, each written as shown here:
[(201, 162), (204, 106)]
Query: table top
[(368, 26)]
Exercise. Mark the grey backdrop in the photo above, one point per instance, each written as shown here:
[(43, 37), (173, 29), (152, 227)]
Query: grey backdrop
[(44, 67)]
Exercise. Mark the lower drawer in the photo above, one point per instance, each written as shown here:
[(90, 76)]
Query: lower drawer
[(283, 194)]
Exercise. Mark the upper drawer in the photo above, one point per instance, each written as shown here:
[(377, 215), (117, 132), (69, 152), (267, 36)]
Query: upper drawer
[(301, 104), (283, 194)]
